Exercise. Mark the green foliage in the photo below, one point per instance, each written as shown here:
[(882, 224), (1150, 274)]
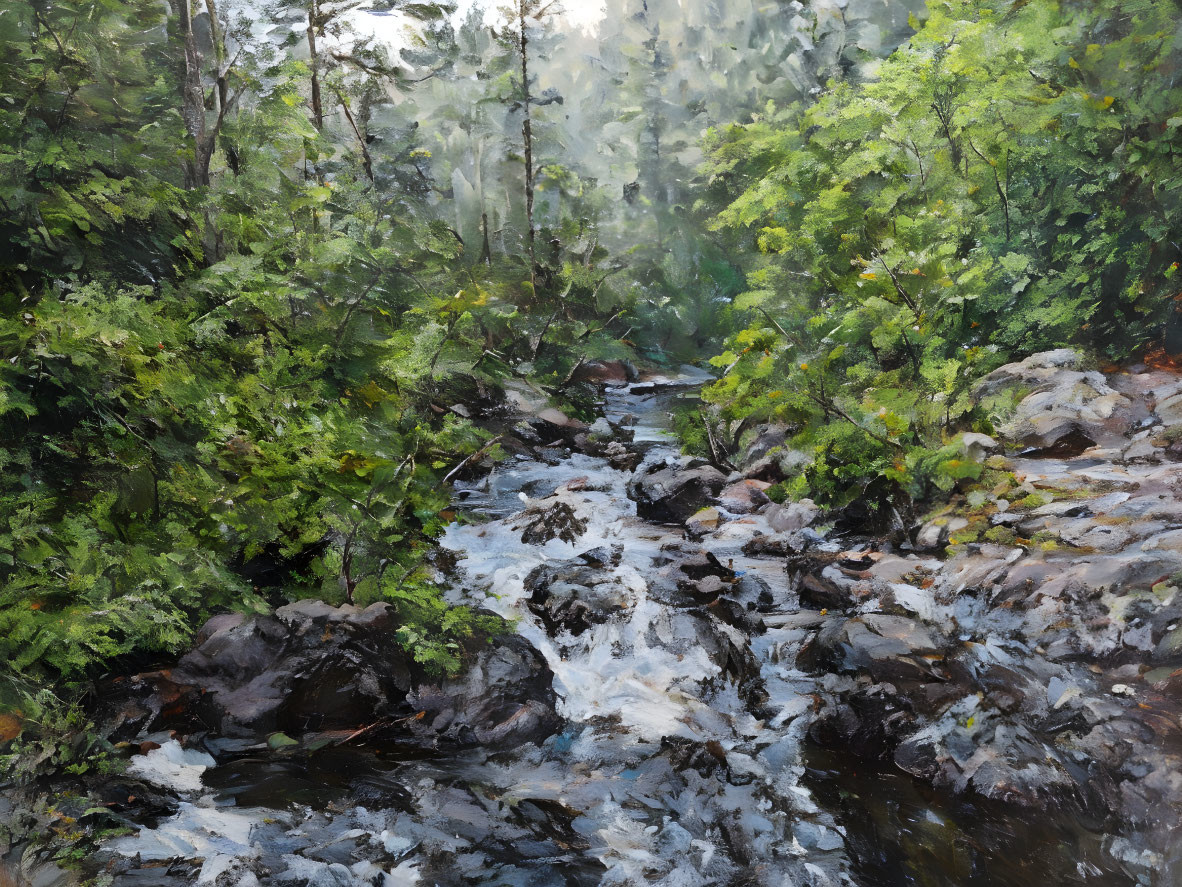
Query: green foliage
[(217, 390), (1006, 182), (689, 424), (56, 738)]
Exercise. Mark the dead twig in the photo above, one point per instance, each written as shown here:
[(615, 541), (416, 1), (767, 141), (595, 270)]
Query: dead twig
[(488, 446)]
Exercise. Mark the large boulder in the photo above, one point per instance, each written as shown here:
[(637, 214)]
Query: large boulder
[(672, 493), (792, 517), (575, 594), (891, 649), (1064, 410), (312, 667), (504, 698)]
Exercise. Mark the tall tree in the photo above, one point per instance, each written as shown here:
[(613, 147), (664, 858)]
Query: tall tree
[(526, 21)]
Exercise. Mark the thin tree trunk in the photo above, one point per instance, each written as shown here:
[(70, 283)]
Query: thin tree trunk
[(486, 247), (192, 98), (366, 159), (313, 26), (219, 50), (528, 140)]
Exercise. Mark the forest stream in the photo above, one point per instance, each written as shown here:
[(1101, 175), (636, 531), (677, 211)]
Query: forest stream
[(683, 755), (610, 442)]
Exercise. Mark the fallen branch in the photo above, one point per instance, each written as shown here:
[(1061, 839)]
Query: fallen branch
[(716, 452), (488, 446)]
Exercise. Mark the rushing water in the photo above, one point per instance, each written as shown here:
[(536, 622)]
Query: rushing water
[(666, 772)]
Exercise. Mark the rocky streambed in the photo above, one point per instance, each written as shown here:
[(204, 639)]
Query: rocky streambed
[(704, 687)]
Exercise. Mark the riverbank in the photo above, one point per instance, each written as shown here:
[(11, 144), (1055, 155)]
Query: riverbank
[(736, 690)]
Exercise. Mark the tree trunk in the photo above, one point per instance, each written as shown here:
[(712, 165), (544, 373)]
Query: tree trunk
[(314, 62), (486, 247), (366, 158), (219, 50), (196, 170), (527, 136)]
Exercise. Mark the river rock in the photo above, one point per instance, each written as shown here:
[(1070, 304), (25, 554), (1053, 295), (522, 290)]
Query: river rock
[(621, 457), (605, 372), (576, 594), (554, 521), (1065, 409), (888, 648), (745, 496), (504, 698), (792, 517), (313, 667), (673, 493), (703, 522)]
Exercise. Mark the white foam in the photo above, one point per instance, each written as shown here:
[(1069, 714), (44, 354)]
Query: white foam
[(172, 766)]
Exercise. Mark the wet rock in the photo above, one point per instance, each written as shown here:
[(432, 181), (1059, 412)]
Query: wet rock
[(834, 580), (1001, 761), (1065, 410), (771, 545), (696, 579), (793, 516), (817, 590), (313, 667), (703, 757), (673, 493), (557, 521), (865, 720), (604, 372), (891, 649), (744, 497), (737, 616), (505, 698), (621, 457), (728, 648), (703, 522), (757, 595), (575, 595), (695, 563)]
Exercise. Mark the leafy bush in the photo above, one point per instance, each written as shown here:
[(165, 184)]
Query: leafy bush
[(1004, 183)]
